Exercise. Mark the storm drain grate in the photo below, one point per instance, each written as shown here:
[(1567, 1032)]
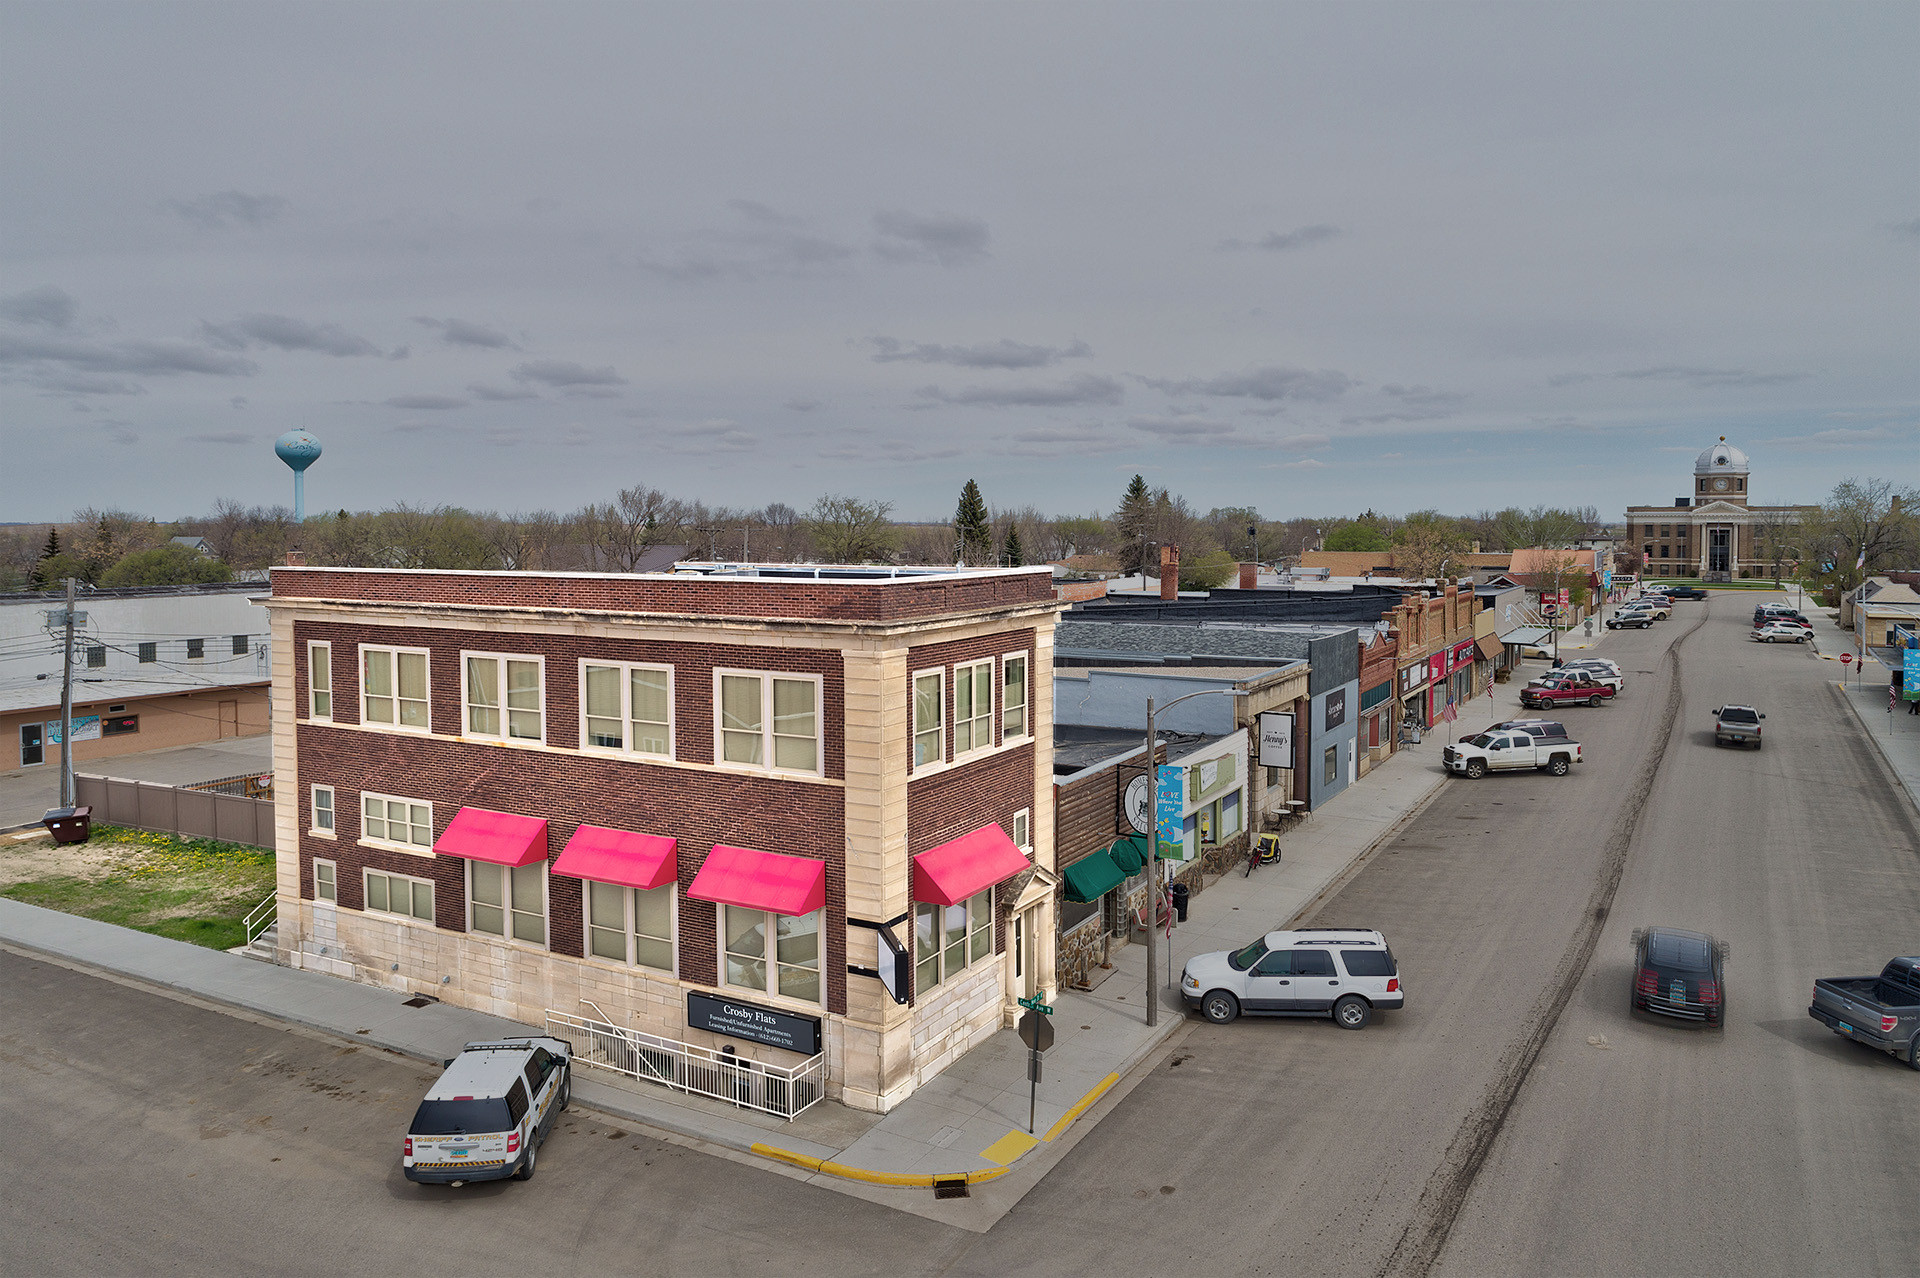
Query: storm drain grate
[(420, 1000), (954, 1188)]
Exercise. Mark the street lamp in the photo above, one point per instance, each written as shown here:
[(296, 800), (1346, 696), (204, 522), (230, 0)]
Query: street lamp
[(1153, 846)]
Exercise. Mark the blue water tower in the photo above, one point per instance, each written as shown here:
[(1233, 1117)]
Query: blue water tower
[(298, 450)]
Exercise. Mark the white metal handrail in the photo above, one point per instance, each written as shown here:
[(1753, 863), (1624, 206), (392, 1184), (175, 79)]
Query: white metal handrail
[(783, 1091), (261, 917)]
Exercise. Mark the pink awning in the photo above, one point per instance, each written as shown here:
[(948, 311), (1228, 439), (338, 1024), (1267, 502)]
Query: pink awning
[(952, 872), (761, 880), (621, 857), (499, 837)]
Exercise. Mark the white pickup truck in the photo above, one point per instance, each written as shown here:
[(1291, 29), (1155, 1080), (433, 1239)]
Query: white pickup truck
[(1511, 752)]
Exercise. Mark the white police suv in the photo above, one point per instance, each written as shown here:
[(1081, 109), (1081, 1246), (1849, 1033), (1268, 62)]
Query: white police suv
[(1345, 973), (488, 1115)]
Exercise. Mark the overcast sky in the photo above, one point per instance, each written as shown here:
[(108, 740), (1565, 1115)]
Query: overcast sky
[(1310, 258)]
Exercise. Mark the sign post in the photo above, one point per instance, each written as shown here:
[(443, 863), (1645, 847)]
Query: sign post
[(1036, 1031)]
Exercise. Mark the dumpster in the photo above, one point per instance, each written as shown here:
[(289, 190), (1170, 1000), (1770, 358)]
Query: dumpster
[(69, 825), (1180, 895)]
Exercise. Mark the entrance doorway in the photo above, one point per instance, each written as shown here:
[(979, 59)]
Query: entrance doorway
[(1026, 953), (1719, 550), (32, 747), (229, 718)]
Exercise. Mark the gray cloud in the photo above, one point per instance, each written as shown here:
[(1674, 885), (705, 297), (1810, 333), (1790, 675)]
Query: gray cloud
[(766, 215), (1425, 395), (949, 241), (704, 439), (1186, 428), (1282, 241), (1907, 230), (119, 432), (1080, 440), (1004, 353), (230, 208), (87, 384), (1270, 383), (283, 332), (566, 373), (1083, 388), (45, 305), (591, 392), (803, 405), (220, 437), (1569, 379), (148, 358), (770, 245), (1837, 439), (501, 394), (463, 333), (890, 449), (1705, 378), (427, 403)]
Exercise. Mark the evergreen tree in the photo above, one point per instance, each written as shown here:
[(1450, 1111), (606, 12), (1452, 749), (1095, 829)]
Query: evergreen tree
[(973, 535), (38, 579), (1012, 554), (1131, 521)]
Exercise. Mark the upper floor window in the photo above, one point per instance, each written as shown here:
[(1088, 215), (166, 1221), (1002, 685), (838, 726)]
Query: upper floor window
[(385, 818), (320, 681), (239, 645), (1013, 699), (196, 649), (96, 656), (502, 696), (628, 708), (769, 721), (323, 810), (789, 967), (1022, 832), (973, 707), (393, 687), (929, 710), (149, 653)]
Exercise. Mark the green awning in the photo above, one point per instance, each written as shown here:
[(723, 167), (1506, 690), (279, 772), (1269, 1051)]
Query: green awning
[(1130, 854), (1092, 877)]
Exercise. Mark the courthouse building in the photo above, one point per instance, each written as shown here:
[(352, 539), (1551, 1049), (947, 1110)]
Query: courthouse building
[(1715, 533), (693, 803)]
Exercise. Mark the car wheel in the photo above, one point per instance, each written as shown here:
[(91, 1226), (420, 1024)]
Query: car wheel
[(1352, 1012), (1476, 768), (525, 1170), (1913, 1053), (1593, 703), (1558, 766), (566, 1089), (1220, 1007)]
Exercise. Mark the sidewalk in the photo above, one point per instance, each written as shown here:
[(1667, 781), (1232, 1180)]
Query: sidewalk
[(970, 1121), (1896, 736), (26, 794)]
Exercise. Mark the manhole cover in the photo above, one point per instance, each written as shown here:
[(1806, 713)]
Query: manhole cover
[(956, 1188)]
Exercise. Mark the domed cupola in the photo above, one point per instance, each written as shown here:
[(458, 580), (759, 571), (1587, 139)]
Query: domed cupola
[(1720, 474)]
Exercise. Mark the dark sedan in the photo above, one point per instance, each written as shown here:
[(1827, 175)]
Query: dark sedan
[(1680, 974)]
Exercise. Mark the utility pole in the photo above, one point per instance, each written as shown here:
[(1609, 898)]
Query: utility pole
[(1153, 861), (66, 707)]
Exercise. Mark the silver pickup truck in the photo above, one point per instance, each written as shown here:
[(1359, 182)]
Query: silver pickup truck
[(1881, 1011)]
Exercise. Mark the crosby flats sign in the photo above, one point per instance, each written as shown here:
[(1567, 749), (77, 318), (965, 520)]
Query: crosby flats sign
[(756, 1024)]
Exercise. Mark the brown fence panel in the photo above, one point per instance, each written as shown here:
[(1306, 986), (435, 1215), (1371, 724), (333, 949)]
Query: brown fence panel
[(157, 810), (146, 805), (235, 819), (195, 813)]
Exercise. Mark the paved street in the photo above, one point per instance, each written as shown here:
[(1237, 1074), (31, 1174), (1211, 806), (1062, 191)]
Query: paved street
[(1513, 1120)]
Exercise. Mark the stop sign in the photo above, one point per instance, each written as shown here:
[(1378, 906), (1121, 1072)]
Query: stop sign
[(1846, 658)]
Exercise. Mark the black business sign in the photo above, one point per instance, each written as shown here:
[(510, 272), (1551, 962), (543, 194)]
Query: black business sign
[(736, 1019), (1336, 709)]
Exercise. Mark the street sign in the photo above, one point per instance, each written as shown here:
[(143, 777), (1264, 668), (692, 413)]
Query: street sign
[(1170, 830), (1846, 658), (1034, 1004), (1563, 596), (1036, 1031), (1549, 610)]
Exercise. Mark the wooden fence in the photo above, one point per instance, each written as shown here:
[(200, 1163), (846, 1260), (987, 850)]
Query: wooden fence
[(171, 809)]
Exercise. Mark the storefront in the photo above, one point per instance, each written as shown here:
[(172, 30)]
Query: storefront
[(1376, 727), (1460, 672), (1413, 698), (1438, 689)]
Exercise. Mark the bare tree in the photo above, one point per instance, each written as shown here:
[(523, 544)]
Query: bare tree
[(640, 518), (1864, 527), (848, 530)]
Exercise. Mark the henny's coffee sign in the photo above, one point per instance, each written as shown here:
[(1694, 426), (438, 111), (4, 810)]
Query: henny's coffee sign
[(736, 1019)]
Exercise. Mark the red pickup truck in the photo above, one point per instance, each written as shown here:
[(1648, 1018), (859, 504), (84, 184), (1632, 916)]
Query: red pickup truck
[(1564, 690)]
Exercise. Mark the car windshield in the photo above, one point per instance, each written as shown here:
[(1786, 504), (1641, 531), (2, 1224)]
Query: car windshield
[(465, 1116), (1684, 953), (1241, 960), (1483, 740), (1738, 714)]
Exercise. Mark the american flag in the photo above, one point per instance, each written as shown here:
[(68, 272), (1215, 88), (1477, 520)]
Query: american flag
[(1451, 713)]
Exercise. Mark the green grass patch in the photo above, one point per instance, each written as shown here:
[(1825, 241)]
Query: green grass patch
[(195, 890)]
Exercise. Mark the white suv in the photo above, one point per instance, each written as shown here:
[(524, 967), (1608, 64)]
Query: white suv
[(488, 1115), (1344, 972)]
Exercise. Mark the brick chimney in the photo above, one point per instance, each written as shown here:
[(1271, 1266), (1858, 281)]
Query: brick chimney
[(1249, 578), (1169, 572), (296, 559)]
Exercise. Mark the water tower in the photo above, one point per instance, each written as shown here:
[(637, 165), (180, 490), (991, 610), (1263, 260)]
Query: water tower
[(298, 450)]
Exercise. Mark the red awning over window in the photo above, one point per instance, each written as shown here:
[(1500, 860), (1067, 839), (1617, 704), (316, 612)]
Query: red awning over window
[(499, 837), (761, 880), (644, 861), (952, 872)]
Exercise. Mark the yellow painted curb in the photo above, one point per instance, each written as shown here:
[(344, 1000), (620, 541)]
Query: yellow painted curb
[(1081, 1106), (902, 1180), (1008, 1148)]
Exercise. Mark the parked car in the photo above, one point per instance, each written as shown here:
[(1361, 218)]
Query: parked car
[(1777, 612), (1881, 1011), (1737, 725), (1534, 727), (1347, 973), (1685, 592), (1680, 974), (487, 1115), (1777, 632), (1625, 620), (1536, 651), (1511, 751), (1592, 663), (1599, 674), (1660, 608), (1564, 689)]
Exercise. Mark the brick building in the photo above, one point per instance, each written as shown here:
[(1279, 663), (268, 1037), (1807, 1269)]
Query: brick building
[(1716, 533), (648, 794)]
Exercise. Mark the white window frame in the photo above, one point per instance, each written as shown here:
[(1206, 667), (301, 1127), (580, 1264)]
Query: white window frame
[(672, 938), (1022, 831), (767, 742), (394, 725), (317, 661), (367, 906), (979, 719), (770, 961), (914, 731), (626, 750), (398, 845), (500, 660), (331, 829), (1007, 662), (333, 871), (509, 912), (979, 909)]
